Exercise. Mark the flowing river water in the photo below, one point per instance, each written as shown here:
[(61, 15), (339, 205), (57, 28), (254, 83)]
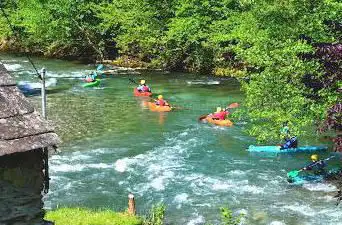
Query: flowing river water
[(113, 145)]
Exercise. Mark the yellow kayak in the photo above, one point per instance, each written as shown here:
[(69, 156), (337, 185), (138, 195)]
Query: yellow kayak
[(156, 108), (225, 123)]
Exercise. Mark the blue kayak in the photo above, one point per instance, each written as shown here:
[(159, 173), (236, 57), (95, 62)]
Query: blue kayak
[(314, 178), (276, 149), (34, 88), (306, 179)]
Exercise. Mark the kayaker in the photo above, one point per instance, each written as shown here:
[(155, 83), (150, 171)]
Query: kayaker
[(220, 114), (316, 165), (290, 143), (143, 87), (161, 101), (91, 77)]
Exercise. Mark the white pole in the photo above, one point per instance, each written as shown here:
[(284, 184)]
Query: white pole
[(43, 71)]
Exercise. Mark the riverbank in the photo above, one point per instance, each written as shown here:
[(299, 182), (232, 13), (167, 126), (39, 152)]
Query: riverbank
[(82, 216)]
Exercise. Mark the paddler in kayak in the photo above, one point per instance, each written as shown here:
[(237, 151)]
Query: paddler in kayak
[(219, 114), (143, 87), (290, 142), (317, 165), (91, 77), (161, 101)]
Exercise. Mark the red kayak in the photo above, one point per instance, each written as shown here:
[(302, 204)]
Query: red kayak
[(138, 93)]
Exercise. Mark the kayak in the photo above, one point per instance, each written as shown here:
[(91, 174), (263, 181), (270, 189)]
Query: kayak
[(29, 88), (137, 93), (225, 123), (314, 178), (276, 149), (301, 179), (156, 108), (92, 84)]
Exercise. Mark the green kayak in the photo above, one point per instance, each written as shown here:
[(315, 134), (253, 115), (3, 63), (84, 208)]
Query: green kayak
[(95, 83)]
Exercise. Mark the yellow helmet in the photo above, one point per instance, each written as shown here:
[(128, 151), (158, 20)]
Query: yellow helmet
[(160, 97), (314, 157), (142, 82), (218, 109)]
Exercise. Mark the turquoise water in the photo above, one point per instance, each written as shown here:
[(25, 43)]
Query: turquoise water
[(113, 145)]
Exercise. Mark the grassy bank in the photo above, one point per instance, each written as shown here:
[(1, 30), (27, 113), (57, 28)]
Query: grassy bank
[(80, 216)]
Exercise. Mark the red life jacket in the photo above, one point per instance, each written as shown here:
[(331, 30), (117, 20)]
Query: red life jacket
[(220, 115), (89, 79), (146, 89), (161, 102)]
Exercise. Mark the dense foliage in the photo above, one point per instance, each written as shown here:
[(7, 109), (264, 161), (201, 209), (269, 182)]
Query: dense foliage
[(287, 54)]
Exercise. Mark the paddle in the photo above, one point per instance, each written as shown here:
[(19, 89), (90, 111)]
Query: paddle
[(230, 106), (100, 67), (295, 173)]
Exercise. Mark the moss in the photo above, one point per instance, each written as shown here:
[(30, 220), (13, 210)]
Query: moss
[(81, 216)]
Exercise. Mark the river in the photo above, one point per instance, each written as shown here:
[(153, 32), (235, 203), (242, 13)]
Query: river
[(113, 145)]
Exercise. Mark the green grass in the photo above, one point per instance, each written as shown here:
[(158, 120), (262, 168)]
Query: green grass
[(80, 216)]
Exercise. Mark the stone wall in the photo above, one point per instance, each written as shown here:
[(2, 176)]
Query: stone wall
[(21, 185)]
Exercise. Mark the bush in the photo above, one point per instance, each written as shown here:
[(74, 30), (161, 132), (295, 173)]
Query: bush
[(156, 216), (228, 218)]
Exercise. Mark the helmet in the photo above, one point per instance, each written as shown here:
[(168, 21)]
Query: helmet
[(314, 157), (142, 82), (218, 109), (160, 97)]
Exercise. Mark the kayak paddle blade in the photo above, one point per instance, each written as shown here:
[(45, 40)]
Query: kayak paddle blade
[(293, 173), (202, 117), (233, 105), (99, 67)]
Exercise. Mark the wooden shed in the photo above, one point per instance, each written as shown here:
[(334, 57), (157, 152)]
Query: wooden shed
[(25, 139)]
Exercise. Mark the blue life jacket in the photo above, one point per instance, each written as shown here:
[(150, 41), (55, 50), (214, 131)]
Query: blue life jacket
[(318, 165), (290, 143)]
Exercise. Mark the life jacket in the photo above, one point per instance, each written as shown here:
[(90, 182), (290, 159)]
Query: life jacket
[(89, 79), (319, 165), (290, 143), (161, 102), (220, 115), (145, 88)]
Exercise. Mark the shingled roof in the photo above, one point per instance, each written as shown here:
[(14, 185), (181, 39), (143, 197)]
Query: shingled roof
[(21, 127)]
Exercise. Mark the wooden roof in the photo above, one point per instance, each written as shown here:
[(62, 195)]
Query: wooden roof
[(21, 127)]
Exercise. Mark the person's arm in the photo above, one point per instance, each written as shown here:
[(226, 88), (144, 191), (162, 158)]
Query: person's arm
[(313, 164)]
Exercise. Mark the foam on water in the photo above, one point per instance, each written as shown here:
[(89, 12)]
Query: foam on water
[(180, 198), (238, 172), (13, 67), (121, 165), (277, 223), (320, 187), (197, 220), (303, 209), (201, 82)]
